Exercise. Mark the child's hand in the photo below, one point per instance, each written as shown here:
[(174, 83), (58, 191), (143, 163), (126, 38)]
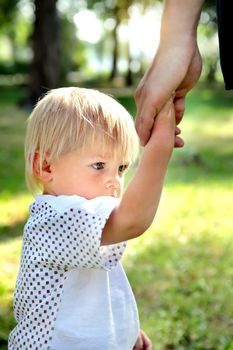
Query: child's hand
[(143, 342), (165, 131)]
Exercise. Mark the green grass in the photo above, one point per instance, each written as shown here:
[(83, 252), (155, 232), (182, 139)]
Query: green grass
[(181, 270)]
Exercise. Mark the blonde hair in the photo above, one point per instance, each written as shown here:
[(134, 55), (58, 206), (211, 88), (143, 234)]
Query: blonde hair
[(67, 119)]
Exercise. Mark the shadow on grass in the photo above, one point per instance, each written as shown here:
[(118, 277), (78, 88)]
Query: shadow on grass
[(180, 293), (202, 97), (12, 94), (205, 165), (3, 343), (7, 323), (7, 232)]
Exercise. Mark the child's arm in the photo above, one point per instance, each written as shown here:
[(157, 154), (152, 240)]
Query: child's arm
[(140, 201)]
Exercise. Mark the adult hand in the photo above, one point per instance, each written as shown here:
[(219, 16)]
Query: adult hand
[(174, 70)]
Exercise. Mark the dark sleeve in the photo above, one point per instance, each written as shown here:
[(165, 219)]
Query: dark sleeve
[(225, 33)]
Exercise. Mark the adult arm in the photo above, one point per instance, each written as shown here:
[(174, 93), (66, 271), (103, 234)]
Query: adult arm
[(176, 66)]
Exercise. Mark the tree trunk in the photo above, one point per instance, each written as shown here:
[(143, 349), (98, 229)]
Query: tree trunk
[(129, 74), (212, 68), (115, 54), (46, 44)]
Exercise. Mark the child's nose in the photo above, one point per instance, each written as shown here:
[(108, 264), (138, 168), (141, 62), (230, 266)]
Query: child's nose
[(114, 186)]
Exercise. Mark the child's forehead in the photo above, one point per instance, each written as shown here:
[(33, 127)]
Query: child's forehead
[(102, 151)]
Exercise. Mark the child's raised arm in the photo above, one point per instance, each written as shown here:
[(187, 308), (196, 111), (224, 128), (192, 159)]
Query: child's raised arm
[(140, 201)]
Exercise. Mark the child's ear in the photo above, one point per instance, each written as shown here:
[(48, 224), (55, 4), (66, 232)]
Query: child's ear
[(45, 174)]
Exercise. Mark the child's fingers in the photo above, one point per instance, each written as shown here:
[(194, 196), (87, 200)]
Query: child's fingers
[(167, 113), (147, 344), (139, 343), (165, 123), (167, 107)]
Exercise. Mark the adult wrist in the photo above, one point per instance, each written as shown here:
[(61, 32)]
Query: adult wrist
[(180, 18)]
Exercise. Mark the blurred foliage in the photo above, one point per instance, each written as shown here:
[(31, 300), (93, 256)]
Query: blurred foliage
[(7, 11), (16, 29), (73, 51), (15, 67), (209, 4)]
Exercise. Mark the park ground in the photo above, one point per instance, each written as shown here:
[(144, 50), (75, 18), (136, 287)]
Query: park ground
[(181, 270)]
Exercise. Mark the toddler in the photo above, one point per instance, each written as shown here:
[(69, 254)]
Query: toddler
[(71, 292)]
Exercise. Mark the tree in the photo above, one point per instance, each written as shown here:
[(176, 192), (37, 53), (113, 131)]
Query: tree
[(46, 44), (44, 72), (119, 11)]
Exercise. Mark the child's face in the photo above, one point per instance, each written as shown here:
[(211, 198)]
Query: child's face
[(89, 173)]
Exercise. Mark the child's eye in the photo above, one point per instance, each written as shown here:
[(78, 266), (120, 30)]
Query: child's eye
[(98, 165), (123, 168)]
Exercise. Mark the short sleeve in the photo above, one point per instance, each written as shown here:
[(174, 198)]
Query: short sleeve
[(65, 232)]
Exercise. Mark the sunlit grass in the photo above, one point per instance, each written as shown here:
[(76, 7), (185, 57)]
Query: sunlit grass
[(9, 260), (181, 270), (14, 209)]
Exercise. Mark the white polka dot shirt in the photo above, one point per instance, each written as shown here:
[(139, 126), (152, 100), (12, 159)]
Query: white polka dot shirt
[(71, 293)]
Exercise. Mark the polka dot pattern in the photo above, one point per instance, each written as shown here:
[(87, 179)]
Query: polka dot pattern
[(53, 243)]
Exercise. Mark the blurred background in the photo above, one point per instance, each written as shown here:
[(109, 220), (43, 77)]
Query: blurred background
[(181, 270), (49, 43)]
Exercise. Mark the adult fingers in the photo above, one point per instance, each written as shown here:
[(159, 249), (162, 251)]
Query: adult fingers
[(179, 142), (149, 102), (179, 103), (144, 122)]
